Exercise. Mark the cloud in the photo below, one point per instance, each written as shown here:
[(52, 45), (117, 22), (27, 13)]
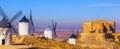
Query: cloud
[(103, 5)]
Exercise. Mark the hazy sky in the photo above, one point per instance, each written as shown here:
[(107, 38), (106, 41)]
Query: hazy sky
[(70, 14)]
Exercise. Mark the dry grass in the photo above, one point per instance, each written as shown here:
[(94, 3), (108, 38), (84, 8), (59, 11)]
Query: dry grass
[(43, 43)]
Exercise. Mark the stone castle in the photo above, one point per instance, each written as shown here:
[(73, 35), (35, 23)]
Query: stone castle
[(99, 30), (99, 26)]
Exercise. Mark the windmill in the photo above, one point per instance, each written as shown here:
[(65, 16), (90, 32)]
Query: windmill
[(73, 38), (50, 32), (6, 26), (26, 25)]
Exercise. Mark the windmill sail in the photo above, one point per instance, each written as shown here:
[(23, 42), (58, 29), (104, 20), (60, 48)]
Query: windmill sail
[(54, 24), (6, 25), (2, 22), (31, 23)]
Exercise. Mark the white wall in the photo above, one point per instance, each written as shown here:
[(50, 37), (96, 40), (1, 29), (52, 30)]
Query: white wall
[(73, 41), (48, 34), (3, 35), (23, 28), (8, 40)]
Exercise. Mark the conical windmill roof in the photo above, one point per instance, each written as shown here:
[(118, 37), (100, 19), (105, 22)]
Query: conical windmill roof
[(72, 36), (49, 29), (24, 19)]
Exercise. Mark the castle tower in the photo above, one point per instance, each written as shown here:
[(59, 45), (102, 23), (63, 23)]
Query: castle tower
[(24, 26)]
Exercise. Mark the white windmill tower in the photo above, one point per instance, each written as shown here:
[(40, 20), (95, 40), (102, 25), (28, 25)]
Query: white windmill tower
[(24, 26), (72, 39), (50, 32), (6, 26)]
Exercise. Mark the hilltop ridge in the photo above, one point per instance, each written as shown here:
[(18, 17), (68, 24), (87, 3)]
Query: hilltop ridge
[(41, 42)]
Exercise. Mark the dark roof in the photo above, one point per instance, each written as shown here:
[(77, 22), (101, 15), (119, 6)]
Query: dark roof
[(72, 36), (24, 19)]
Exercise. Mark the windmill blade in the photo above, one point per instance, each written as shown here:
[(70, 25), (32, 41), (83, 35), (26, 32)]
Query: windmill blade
[(2, 30), (4, 15), (31, 20), (7, 20), (52, 24), (2, 22), (8, 31), (15, 16), (55, 28), (8, 25), (4, 27), (41, 32), (55, 25), (33, 27), (14, 29), (49, 26)]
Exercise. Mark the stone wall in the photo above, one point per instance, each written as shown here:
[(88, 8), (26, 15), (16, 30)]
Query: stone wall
[(91, 37), (99, 26)]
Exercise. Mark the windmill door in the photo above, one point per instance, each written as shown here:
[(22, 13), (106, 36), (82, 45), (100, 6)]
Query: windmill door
[(3, 41)]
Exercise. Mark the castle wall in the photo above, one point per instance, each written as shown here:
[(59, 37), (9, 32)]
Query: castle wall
[(99, 26), (91, 36)]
